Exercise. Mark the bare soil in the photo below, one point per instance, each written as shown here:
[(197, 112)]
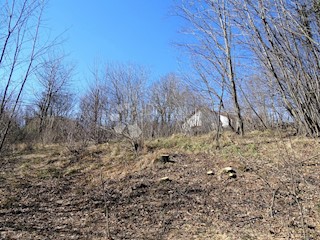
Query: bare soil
[(45, 194)]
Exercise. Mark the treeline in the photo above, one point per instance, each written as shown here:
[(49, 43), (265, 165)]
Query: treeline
[(258, 61), (266, 50), (120, 102)]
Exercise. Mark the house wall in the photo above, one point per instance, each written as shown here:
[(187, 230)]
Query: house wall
[(205, 121), (224, 121)]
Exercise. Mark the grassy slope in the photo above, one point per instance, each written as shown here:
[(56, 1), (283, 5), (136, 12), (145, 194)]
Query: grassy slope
[(50, 193)]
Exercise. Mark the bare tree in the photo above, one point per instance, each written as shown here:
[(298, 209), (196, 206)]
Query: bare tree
[(126, 89), (172, 102), (165, 100), (284, 35), (54, 101), (213, 48), (19, 50), (94, 107), (114, 103)]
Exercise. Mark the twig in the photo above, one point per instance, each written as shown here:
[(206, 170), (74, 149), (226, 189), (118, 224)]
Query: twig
[(303, 162), (272, 202)]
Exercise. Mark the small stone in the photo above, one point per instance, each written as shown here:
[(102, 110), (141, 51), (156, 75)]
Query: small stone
[(232, 175), (228, 170), (210, 173), (165, 179)]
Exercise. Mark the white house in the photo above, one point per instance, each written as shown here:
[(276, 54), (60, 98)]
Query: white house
[(205, 120)]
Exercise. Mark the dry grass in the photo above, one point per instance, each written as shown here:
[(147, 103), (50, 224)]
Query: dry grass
[(275, 196)]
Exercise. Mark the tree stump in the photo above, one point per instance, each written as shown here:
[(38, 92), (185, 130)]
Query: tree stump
[(166, 159)]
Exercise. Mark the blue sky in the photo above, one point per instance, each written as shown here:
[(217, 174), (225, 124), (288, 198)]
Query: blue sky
[(140, 31)]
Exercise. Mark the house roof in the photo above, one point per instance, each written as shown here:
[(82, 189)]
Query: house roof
[(206, 109)]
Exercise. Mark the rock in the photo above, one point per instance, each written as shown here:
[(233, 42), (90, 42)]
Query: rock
[(210, 173), (227, 172), (232, 175), (165, 179), (60, 202)]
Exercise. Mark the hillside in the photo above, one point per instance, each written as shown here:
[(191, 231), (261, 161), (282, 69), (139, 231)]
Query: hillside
[(107, 191)]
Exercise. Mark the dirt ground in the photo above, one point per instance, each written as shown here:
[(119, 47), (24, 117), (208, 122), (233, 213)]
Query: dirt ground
[(47, 194)]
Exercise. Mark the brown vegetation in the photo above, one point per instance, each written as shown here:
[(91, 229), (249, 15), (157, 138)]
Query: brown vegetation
[(107, 191)]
